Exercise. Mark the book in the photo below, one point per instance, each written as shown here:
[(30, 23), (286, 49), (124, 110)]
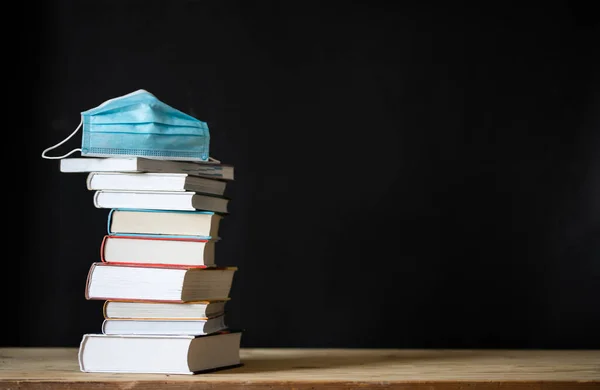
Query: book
[(164, 327), (157, 283), (122, 181), (157, 354), (160, 311), (201, 224), (158, 251), (185, 200), (142, 164)]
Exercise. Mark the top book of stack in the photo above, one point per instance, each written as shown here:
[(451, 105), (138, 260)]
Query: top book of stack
[(140, 164)]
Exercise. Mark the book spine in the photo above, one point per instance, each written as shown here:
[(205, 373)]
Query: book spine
[(89, 280), (88, 180), (80, 353), (109, 221), (96, 195), (102, 245), (104, 307)]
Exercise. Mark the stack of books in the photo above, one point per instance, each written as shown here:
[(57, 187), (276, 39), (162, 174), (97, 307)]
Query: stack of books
[(164, 292)]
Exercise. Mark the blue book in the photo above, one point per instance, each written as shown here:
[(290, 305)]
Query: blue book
[(164, 223)]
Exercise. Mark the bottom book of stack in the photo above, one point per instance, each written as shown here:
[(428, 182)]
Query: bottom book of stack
[(175, 354), (160, 319)]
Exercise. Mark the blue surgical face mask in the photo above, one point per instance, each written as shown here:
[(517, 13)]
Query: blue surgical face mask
[(140, 125)]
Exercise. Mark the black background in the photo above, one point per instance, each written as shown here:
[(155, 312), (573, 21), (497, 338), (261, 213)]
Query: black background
[(406, 175)]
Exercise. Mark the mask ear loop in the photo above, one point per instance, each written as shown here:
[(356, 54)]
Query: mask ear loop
[(60, 143), (213, 160)]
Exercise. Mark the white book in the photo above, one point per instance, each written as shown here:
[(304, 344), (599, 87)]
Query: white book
[(158, 283), (164, 327), (141, 164), (121, 181), (155, 250), (160, 311), (163, 200), (154, 354), (202, 224)]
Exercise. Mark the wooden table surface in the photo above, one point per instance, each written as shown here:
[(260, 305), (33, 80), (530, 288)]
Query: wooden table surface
[(57, 368)]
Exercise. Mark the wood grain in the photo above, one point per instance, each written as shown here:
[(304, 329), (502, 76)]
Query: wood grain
[(57, 368)]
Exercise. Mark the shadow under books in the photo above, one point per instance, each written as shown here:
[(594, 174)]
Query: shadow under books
[(324, 359)]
